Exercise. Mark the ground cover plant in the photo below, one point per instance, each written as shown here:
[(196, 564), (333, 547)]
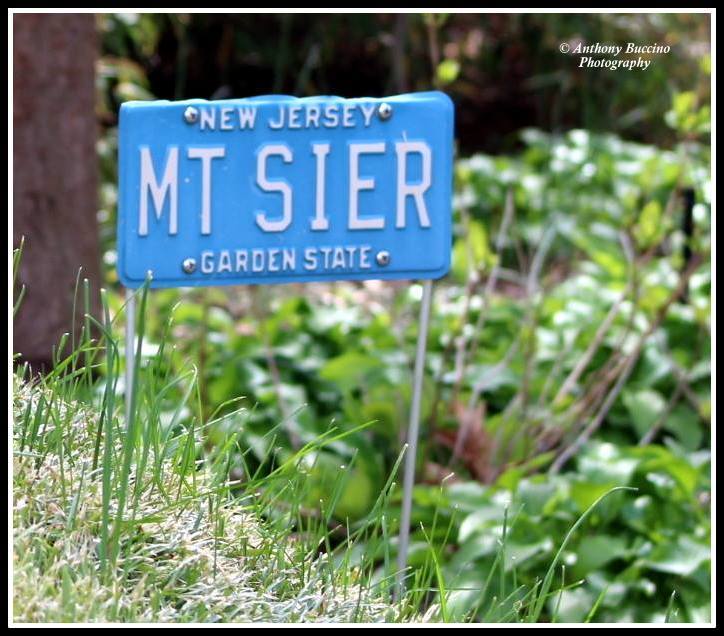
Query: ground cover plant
[(293, 392)]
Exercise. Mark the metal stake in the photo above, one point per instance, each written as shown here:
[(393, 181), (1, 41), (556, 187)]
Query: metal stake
[(130, 353), (413, 432)]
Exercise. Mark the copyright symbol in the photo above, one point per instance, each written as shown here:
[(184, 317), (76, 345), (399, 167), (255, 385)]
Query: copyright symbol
[(565, 47)]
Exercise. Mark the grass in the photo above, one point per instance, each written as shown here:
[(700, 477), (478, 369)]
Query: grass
[(138, 519), (187, 552)]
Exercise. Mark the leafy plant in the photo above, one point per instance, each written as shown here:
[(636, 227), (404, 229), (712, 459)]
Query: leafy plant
[(635, 550), (568, 355)]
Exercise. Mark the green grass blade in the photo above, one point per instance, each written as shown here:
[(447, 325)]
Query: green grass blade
[(547, 581)]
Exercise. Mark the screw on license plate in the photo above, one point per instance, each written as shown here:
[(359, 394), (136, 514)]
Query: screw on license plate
[(189, 265), (383, 258), (384, 111), (191, 115)]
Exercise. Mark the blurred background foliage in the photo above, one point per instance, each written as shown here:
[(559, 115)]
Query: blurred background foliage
[(570, 345), (504, 71)]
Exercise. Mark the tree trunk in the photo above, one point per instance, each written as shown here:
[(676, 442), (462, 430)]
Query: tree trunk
[(54, 175)]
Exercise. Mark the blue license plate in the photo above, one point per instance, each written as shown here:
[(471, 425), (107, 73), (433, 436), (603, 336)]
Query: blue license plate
[(277, 189)]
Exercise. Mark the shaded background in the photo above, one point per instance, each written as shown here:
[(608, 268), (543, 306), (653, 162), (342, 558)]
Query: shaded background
[(504, 71)]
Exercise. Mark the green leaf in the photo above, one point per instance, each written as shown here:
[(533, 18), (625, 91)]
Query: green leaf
[(684, 102), (596, 551), (468, 496), (575, 605), (542, 593), (534, 494), (480, 521), (682, 557), (585, 493), (349, 370), (681, 471), (472, 251), (645, 407), (649, 229), (518, 554), (605, 463), (685, 425), (448, 71)]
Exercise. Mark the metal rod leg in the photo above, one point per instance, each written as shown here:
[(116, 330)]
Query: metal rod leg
[(130, 352), (413, 432)]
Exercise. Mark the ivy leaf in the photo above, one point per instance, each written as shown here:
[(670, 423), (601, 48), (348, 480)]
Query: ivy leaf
[(644, 407), (448, 71), (682, 557)]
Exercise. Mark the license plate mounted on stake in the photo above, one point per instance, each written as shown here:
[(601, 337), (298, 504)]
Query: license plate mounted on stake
[(278, 189)]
